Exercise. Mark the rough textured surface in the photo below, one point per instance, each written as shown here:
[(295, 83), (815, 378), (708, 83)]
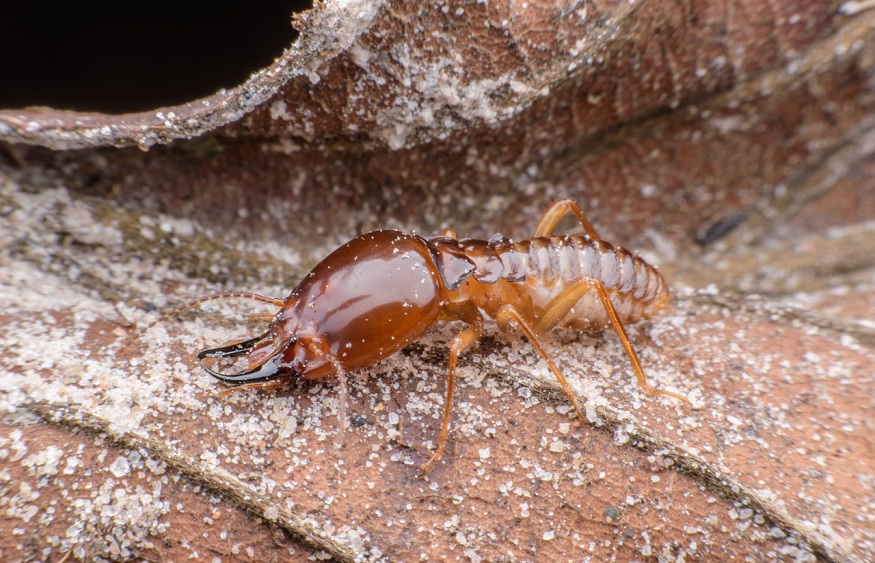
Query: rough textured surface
[(730, 143)]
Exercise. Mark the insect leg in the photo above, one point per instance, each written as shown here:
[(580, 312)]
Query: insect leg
[(460, 342), (225, 295), (508, 313), (627, 345), (320, 349), (560, 306), (260, 385), (557, 211), (260, 317)]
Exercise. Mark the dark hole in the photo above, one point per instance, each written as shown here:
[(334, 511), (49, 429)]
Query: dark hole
[(117, 56)]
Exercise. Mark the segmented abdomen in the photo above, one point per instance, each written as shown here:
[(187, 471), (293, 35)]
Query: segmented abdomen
[(550, 264), (567, 259)]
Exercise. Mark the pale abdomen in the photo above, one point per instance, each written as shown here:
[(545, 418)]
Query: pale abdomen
[(546, 266), (636, 289), (540, 268)]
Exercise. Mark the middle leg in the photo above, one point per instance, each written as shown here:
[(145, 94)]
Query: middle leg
[(508, 313)]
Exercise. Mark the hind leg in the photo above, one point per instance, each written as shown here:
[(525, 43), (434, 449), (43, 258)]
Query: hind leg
[(560, 306), (562, 303), (627, 345), (557, 211)]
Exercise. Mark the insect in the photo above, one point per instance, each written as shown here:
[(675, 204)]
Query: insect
[(382, 290)]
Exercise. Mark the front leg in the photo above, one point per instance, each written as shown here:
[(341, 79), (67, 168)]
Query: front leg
[(460, 342), (320, 349)]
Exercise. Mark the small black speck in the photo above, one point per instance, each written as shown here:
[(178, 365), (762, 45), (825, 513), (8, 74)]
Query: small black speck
[(358, 420), (611, 514)]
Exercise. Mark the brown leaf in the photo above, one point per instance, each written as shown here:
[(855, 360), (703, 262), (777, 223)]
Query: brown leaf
[(731, 143)]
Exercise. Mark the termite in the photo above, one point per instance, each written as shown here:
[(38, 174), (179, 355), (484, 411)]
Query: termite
[(382, 290)]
